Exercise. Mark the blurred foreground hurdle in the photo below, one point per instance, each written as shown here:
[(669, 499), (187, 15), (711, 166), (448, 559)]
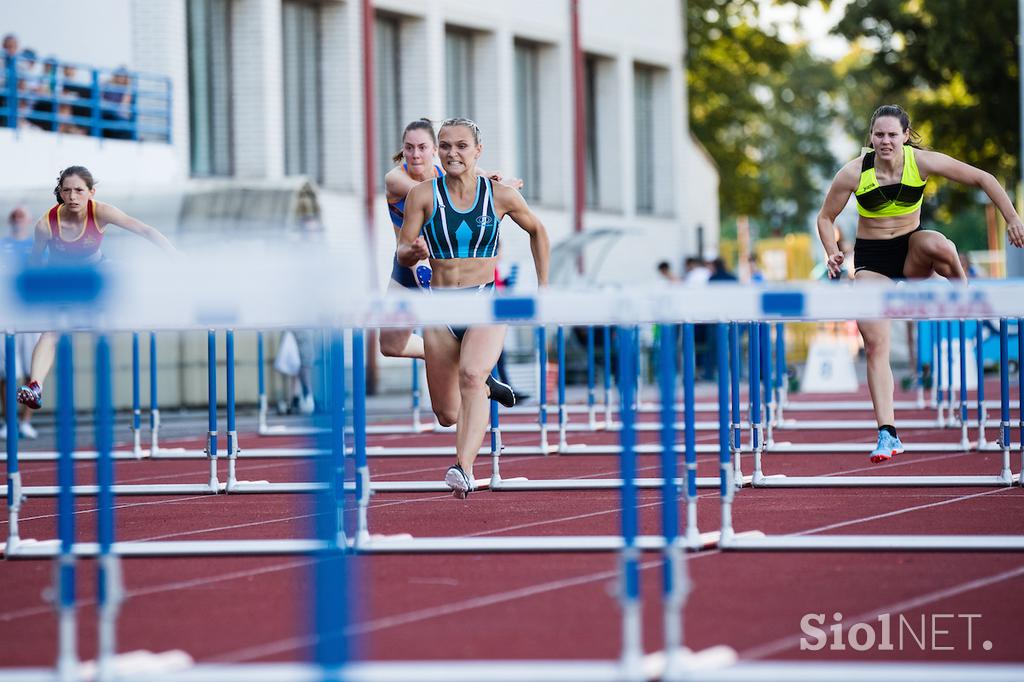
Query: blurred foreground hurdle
[(341, 527)]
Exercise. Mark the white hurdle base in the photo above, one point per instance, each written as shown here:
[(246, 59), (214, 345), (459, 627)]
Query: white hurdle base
[(375, 486), (652, 449), (785, 447), (867, 424), (847, 405), (783, 481), (123, 489), (600, 483), (375, 544), (875, 543), (449, 451), (710, 666), (806, 671), (169, 453)]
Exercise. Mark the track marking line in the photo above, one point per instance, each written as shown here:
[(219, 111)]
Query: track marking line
[(790, 641), (165, 587)]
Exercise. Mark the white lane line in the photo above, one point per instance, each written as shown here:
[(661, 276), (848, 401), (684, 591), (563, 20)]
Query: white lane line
[(166, 587), (291, 643), (792, 641), (92, 510), (886, 515), (419, 615)]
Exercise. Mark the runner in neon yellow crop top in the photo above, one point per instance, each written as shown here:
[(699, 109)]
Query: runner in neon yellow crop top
[(888, 183)]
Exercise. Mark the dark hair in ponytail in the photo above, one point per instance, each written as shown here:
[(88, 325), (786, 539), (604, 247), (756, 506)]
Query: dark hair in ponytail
[(418, 124), (897, 112), (80, 171)]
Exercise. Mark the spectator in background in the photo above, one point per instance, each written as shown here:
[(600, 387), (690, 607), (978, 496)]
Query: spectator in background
[(14, 252), (44, 88), (66, 122), (116, 102), (665, 270), (295, 358), (72, 87), (10, 51), (720, 272), (707, 358), (27, 64), (10, 46), (754, 268), (697, 271)]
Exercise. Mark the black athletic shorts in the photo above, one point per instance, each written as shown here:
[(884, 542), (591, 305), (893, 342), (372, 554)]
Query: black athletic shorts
[(884, 256), (403, 275), (459, 332)]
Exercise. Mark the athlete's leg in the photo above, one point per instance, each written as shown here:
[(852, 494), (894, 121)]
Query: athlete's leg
[(31, 394), (876, 335), (26, 345), (400, 343), (43, 356), (480, 350), (441, 350), (929, 252)]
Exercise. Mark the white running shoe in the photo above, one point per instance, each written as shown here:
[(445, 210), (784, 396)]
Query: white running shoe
[(306, 404), (26, 430), (457, 480)]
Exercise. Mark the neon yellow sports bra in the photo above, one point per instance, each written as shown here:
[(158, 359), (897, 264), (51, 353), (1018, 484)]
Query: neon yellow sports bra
[(875, 201)]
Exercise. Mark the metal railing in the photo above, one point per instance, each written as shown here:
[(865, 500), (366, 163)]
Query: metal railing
[(76, 99)]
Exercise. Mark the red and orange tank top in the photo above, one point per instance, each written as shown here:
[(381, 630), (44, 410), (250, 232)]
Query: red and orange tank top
[(85, 248)]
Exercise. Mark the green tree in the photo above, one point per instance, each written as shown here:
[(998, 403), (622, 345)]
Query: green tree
[(763, 109), (953, 65)]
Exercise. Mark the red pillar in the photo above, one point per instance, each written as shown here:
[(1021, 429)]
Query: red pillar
[(579, 125), (370, 173)]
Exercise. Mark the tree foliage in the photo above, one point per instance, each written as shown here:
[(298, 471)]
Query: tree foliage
[(952, 64), (763, 108)]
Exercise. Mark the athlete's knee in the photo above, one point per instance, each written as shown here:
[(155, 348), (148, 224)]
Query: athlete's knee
[(472, 379), (391, 346), (446, 417), (876, 346)]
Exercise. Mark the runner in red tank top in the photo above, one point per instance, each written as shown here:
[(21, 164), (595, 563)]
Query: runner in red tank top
[(71, 232), (65, 246)]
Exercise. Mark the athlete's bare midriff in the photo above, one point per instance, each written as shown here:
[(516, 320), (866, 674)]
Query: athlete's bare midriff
[(451, 273), (889, 227)]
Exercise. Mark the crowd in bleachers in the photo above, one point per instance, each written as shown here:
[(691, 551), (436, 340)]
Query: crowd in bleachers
[(60, 97)]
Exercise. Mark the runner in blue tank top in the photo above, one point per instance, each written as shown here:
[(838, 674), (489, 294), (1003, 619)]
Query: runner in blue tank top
[(454, 222), (415, 164)]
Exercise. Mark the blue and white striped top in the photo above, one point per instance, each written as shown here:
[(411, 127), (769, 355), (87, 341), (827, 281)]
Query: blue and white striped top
[(451, 233)]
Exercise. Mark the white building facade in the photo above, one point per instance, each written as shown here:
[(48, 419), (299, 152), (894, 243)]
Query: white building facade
[(267, 91)]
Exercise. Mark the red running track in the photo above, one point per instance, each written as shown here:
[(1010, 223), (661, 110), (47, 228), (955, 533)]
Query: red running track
[(526, 606)]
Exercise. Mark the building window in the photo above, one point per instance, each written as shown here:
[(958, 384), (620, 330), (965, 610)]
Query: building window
[(388, 72), (300, 28), (644, 123), (209, 43), (528, 122), (459, 74)]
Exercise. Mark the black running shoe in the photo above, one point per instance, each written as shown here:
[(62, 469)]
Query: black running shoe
[(501, 392), (456, 479)]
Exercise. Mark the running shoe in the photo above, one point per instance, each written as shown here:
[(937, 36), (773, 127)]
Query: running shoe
[(888, 445), (3, 431), (501, 392), (31, 395), (26, 430), (459, 483)]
